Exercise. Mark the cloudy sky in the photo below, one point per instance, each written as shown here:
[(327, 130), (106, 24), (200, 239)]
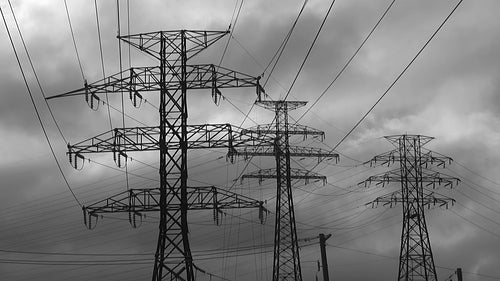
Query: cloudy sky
[(451, 92)]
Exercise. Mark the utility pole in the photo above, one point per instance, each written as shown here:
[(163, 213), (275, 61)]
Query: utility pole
[(173, 137), (459, 274), (416, 261), (286, 262), (322, 245)]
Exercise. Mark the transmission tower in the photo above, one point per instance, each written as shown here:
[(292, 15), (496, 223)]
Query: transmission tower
[(416, 261), (172, 138), (286, 263)]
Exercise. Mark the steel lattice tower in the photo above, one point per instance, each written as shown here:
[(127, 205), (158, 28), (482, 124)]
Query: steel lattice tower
[(286, 262), (416, 262), (172, 138)]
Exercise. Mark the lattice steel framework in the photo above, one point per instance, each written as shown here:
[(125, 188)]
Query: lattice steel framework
[(416, 261), (286, 262), (173, 137)]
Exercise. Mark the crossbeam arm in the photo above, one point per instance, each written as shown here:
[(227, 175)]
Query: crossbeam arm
[(428, 200), (295, 174), (122, 140), (197, 40), (138, 201), (427, 158), (429, 178), (137, 80), (292, 129), (295, 151)]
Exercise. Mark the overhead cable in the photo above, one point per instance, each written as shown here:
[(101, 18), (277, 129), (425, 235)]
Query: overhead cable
[(348, 61), (397, 78), (36, 110)]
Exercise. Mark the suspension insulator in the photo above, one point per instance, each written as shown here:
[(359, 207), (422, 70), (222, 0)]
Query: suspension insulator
[(262, 214), (132, 218), (217, 95), (117, 157), (218, 213), (136, 98), (73, 160), (92, 100), (260, 90), (117, 152), (87, 219), (216, 216)]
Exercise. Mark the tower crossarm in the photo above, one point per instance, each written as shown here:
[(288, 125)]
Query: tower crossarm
[(138, 201), (428, 178), (138, 80), (121, 140), (296, 174), (197, 41), (428, 200), (281, 105), (292, 129), (294, 151), (426, 159)]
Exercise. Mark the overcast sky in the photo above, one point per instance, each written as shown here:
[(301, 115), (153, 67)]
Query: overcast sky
[(451, 92)]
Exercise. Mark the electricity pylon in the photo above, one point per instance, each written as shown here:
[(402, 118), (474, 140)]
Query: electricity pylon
[(286, 262), (416, 261), (173, 137)]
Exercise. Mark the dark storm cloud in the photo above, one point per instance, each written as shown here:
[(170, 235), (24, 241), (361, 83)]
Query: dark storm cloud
[(450, 92)]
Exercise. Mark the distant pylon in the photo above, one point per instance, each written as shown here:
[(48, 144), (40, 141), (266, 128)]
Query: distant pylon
[(416, 262), (286, 263)]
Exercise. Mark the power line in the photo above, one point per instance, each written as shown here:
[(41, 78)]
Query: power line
[(102, 58), (310, 49), (475, 224), (283, 44), (231, 30), (348, 61), (398, 77), (277, 54), (36, 110), (34, 72), (479, 175), (74, 41)]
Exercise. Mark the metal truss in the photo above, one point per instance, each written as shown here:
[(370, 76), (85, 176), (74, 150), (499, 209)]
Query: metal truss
[(286, 262), (295, 174), (293, 129), (173, 137), (137, 80), (427, 178), (427, 158), (416, 261), (139, 201), (294, 151), (119, 141), (428, 200), (195, 42)]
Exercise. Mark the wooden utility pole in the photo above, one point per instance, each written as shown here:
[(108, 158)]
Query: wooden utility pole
[(324, 263), (459, 274)]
